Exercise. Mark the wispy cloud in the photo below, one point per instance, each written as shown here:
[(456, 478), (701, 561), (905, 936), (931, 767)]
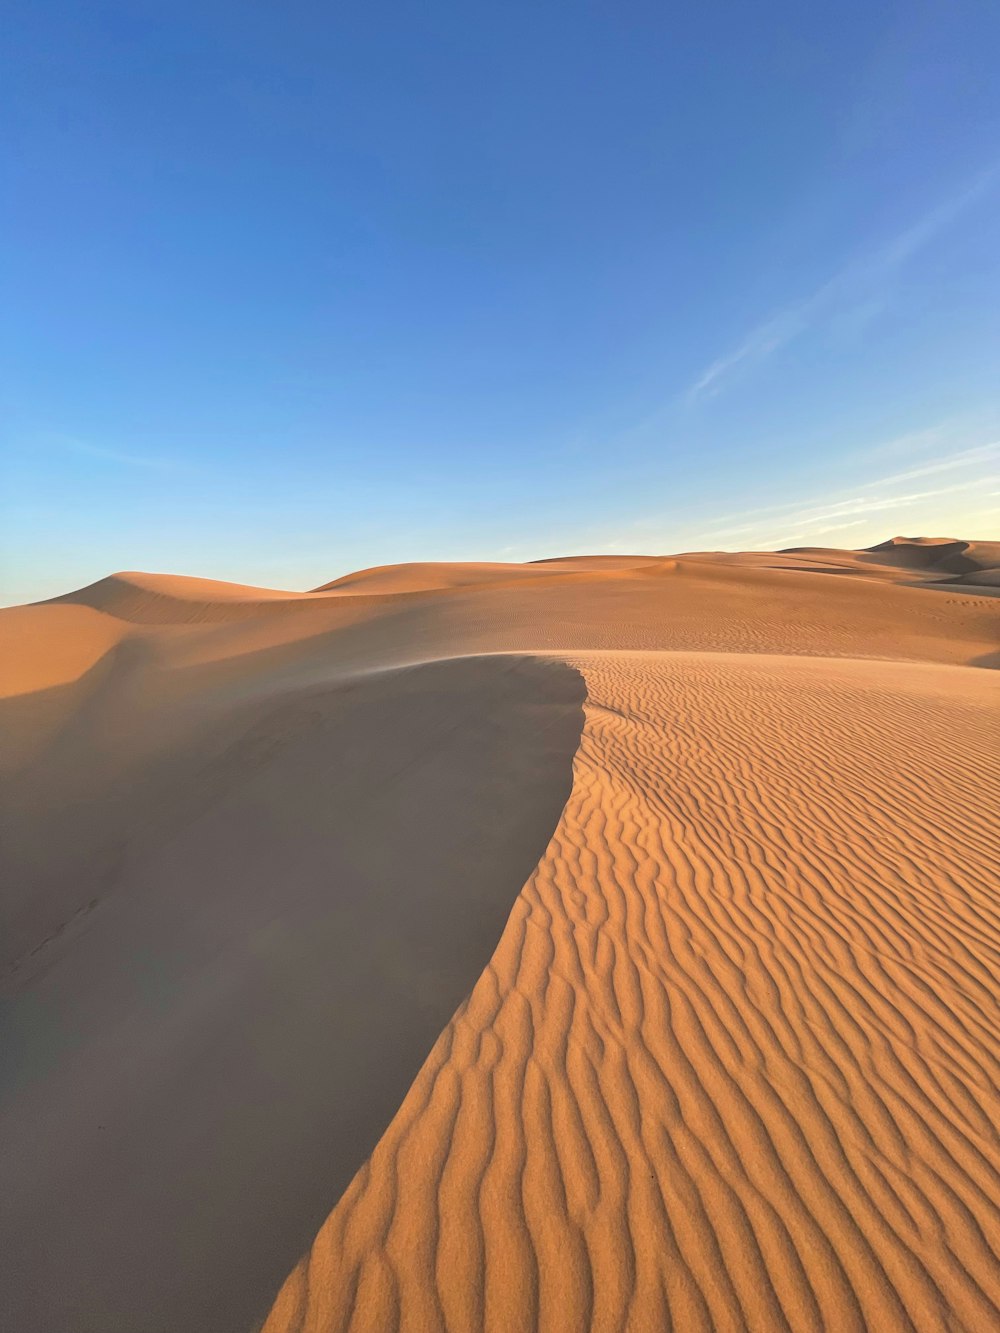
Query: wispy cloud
[(818, 518), (816, 525), (964, 457), (945, 493), (980, 453), (764, 340), (917, 441), (852, 290)]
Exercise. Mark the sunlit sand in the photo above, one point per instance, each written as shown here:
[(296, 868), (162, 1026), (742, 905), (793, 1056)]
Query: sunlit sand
[(606, 943)]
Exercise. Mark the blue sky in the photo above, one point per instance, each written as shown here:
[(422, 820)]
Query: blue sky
[(291, 290)]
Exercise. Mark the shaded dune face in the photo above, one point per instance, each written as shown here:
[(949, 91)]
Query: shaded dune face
[(733, 1063), (323, 906), (195, 1074)]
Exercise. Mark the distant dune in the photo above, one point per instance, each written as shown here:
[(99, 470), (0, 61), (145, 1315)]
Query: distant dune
[(598, 943)]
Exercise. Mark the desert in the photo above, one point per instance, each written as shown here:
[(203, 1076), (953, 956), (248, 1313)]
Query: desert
[(600, 943)]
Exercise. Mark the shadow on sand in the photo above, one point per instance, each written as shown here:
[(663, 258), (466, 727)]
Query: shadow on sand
[(194, 1077)]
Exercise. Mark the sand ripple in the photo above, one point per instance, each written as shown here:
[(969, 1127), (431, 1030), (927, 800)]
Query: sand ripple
[(734, 1062)]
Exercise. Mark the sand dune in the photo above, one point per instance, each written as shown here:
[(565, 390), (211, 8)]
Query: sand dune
[(258, 947), (425, 577), (175, 598), (731, 1064), (938, 553), (323, 905)]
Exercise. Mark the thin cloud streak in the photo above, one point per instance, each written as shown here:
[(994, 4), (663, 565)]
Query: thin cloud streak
[(858, 505), (918, 441), (761, 343), (768, 514), (818, 517), (979, 454), (845, 286)]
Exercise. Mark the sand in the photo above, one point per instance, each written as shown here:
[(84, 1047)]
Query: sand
[(600, 943)]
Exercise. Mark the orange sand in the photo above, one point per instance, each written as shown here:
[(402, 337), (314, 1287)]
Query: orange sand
[(604, 943)]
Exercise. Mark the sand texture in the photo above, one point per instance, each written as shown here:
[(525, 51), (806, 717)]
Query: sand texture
[(607, 943)]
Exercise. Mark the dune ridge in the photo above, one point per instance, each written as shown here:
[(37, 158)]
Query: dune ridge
[(305, 916), (245, 949), (733, 1063)]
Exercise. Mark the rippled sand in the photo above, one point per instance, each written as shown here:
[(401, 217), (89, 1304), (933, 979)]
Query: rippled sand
[(605, 944)]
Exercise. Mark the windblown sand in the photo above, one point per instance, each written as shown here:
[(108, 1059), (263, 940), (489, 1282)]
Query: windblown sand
[(594, 944)]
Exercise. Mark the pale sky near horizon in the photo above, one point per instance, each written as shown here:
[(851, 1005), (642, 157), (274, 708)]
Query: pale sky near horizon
[(293, 290)]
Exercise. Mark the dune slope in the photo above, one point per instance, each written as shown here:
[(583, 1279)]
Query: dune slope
[(203, 1054), (322, 905), (733, 1063)]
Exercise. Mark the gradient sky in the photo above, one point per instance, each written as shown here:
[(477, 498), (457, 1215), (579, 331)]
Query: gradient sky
[(290, 290)]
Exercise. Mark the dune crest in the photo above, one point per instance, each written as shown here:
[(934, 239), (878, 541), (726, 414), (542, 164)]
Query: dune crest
[(732, 1064), (321, 905), (243, 965), (165, 598)]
